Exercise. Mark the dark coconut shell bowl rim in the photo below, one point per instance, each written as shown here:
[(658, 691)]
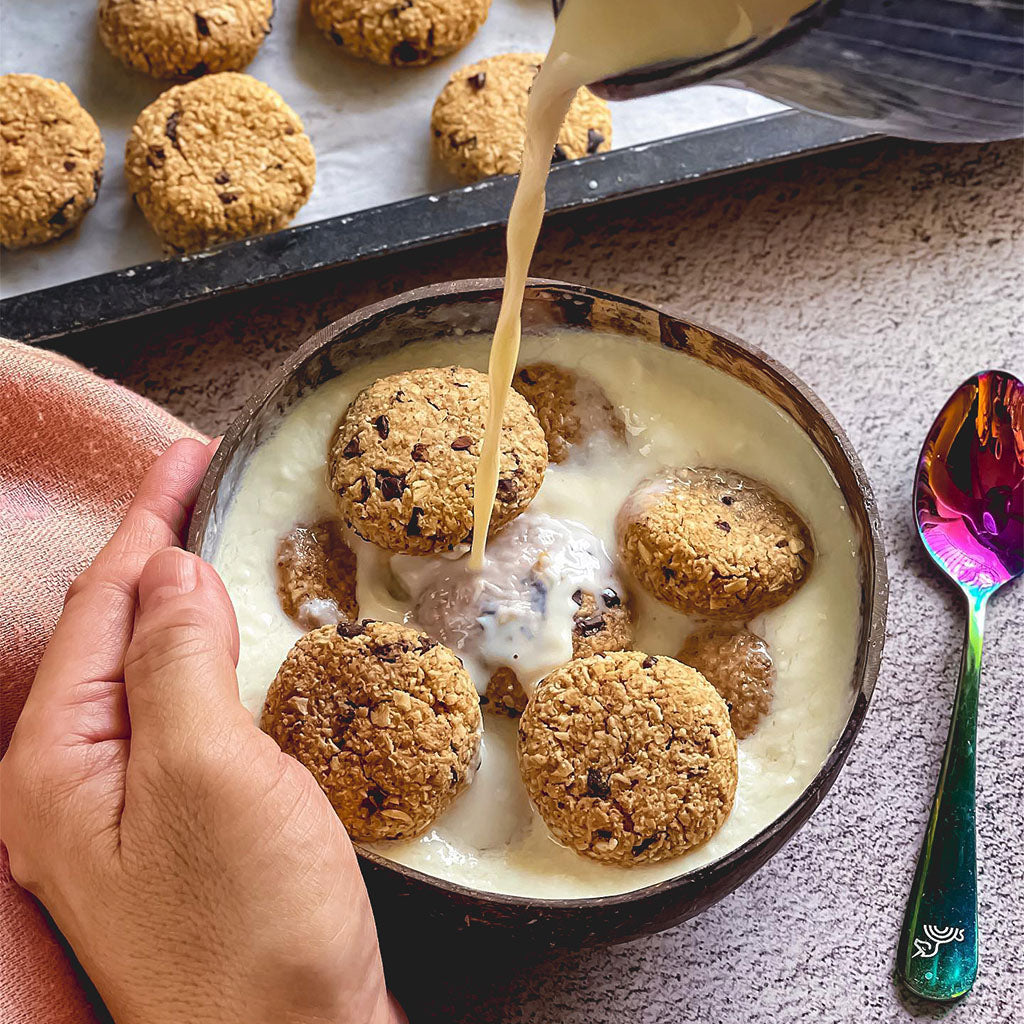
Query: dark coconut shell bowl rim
[(710, 346)]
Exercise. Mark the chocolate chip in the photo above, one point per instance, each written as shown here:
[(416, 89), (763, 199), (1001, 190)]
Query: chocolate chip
[(364, 492), (727, 499), (455, 775), (156, 157), (407, 52), (413, 529), (352, 450), (202, 28), (649, 662), (171, 128), (222, 177), (69, 165), (198, 70), (478, 80), (524, 376), (375, 798), (590, 626), (289, 130), (462, 443), (578, 598), (349, 629), (559, 155), (460, 384), (594, 139), (507, 490), (337, 40), (419, 453), (597, 784), (669, 574), (60, 216), (390, 484), (723, 525), (383, 427), (398, 8), (227, 198), (644, 844), (611, 598)]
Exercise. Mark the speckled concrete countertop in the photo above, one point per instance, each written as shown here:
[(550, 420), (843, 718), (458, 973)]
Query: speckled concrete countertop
[(883, 276)]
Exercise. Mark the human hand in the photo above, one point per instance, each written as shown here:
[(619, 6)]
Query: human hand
[(198, 873)]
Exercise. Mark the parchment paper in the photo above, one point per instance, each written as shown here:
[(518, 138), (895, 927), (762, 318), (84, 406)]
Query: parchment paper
[(369, 124)]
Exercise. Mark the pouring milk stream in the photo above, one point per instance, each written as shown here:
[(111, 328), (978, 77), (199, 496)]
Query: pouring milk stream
[(594, 39)]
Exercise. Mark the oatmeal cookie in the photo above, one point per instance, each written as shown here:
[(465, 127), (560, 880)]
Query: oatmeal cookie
[(316, 575), (570, 406), (401, 33), (714, 543), (738, 664), (628, 758), (385, 719), (184, 38), (479, 119), (51, 158), (403, 459), (603, 623), (217, 159)]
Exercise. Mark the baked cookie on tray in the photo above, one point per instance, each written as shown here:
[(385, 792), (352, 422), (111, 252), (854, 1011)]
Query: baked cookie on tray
[(184, 38), (479, 118), (401, 33), (404, 457), (218, 159), (51, 158)]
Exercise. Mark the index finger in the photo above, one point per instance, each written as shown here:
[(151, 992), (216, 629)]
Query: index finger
[(89, 643)]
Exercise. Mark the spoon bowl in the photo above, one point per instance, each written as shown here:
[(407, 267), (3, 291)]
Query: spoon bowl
[(969, 506)]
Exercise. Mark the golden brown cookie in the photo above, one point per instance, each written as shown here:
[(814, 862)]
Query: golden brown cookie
[(714, 543), (385, 719), (628, 758), (738, 664), (401, 33), (217, 159), (51, 158), (479, 119), (603, 623), (316, 576), (404, 456), (184, 38), (570, 406)]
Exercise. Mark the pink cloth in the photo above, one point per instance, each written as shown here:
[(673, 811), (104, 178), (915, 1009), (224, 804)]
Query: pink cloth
[(73, 448)]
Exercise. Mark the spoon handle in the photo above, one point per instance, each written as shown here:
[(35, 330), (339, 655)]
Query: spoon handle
[(938, 951)]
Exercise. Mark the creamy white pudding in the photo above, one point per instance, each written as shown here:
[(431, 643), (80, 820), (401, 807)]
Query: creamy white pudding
[(677, 412)]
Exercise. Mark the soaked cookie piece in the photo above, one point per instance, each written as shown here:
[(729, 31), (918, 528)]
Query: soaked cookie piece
[(571, 407), (479, 119), (714, 543), (385, 719), (316, 576), (51, 158), (602, 623), (738, 664), (628, 758), (184, 38), (218, 159), (400, 33), (403, 459)]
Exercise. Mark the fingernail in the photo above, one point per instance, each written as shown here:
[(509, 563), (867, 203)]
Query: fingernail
[(168, 574)]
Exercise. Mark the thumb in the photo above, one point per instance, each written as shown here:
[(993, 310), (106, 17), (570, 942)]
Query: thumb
[(179, 669)]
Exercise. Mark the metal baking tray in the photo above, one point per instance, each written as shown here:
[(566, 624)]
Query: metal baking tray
[(89, 302)]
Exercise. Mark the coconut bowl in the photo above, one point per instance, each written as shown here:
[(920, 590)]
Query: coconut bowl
[(402, 894)]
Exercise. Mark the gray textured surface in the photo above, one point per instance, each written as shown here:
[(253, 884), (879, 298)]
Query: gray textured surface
[(883, 276)]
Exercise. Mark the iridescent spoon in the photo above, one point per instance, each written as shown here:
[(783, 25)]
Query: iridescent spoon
[(969, 499)]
